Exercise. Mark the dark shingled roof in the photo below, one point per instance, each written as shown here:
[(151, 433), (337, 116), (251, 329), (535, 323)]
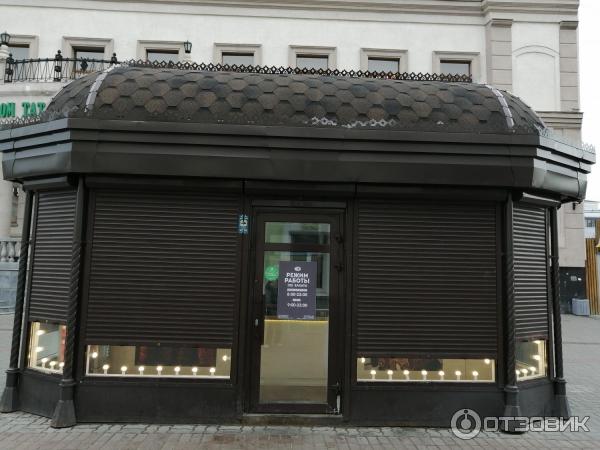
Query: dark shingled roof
[(173, 95)]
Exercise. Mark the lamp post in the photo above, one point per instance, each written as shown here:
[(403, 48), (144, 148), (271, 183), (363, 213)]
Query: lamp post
[(4, 38), (187, 48)]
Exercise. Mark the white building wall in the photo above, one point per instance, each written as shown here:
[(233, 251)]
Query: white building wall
[(530, 44)]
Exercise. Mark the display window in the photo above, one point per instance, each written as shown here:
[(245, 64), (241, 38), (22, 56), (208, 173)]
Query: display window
[(375, 369), (531, 360), (158, 361), (47, 347)]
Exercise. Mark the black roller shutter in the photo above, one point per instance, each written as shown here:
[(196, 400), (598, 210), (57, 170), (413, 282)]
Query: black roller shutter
[(51, 266), (164, 269), (531, 271), (427, 279)]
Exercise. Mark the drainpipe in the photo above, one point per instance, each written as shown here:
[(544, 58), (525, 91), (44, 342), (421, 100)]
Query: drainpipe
[(10, 397), (561, 401), (64, 413)]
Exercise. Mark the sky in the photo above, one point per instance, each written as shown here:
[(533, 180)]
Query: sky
[(589, 69)]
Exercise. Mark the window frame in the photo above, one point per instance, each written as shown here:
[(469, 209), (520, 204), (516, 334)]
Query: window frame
[(174, 46), (220, 48), (71, 43), (380, 53), (21, 40), (299, 50), (471, 57)]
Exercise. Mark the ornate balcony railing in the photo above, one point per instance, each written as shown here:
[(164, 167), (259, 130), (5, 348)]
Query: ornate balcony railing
[(10, 249), (57, 69), (62, 69)]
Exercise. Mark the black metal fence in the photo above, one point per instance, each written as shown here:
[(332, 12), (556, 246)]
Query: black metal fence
[(57, 69), (61, 69)]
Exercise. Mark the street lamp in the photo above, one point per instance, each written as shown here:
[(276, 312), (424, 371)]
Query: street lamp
[(187, 47), (5, 39)]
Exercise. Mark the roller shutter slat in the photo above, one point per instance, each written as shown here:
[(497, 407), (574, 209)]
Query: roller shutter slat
[(165, 268), (426, 279), (530, 236), (53, 246)]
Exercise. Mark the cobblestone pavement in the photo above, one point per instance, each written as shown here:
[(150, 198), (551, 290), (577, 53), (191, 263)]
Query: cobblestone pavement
[(582, 365)]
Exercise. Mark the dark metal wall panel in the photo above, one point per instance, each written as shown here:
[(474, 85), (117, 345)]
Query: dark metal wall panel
[(426, 279), (53, 245), (530, 235), (164, 268)]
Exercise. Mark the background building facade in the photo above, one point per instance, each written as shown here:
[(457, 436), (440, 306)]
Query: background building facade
[(525, 47)]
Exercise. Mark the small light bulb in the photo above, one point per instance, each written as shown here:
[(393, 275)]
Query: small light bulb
[(159, 370), (212, 370), (532, 369), (225, 358), (141, 370), (177, 369), (123, 370), (424, 374), (441, 374), (458, 373), (39, 332), (406, 374), (537, 357), (363, 360), (61, 365), (52, 364), (518, 372), (524, 372), (537, 342), (105, 368), (39, 349), (487, 360), (194, 370), (44, 361), (373, 373), (94, 355), (475, 375), (390, 374)]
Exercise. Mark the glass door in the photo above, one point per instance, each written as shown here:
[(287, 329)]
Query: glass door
[(295, 296)]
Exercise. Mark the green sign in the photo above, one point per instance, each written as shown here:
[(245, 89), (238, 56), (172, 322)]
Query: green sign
[(29, 109), (271, 273)]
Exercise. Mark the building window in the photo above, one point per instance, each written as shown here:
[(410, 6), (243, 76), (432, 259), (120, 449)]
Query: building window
[(449, 67), (373, 369), (383, 60), (14, 215), (158, 361), (96, 53), (590, 223), (319, 58), (162, 55), (457, 63), (19, 51), (386, 65), (47, 347), (312, 62), (532, 360), (238, 54), (238, 59)]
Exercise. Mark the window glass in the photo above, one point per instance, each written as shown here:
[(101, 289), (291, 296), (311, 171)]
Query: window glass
[(162, 55), (19, 51), (47, 346), (455, 67), (158, 361), (312, 62), (88, 52), (531, 360), (375, 369), (384, 65), (297, 233), (239, 59)]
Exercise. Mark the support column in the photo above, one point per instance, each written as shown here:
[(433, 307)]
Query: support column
[(560, 389), (10, 397), (64, 413), (512, 406)]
